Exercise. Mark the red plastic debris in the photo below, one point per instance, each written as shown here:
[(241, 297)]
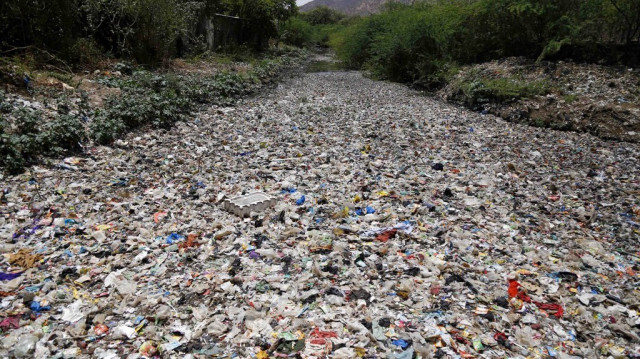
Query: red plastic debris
[(101, 329), (192, 241), (319, 337), (552, 306), (515, 292), (386, 235), (501, 338)]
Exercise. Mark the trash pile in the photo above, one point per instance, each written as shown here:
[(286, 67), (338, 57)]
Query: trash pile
[(597, 99), (400, 227)]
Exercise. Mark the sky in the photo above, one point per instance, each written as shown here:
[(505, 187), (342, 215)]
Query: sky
[(302, 2)]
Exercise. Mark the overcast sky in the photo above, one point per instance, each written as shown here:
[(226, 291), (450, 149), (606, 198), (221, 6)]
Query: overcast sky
[(302, 2)]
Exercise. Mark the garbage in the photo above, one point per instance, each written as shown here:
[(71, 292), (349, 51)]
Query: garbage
[(387, 256), (148, 349), (124, 332), (26, 346), (10, 323), (36, 307), (9, 276), (243, 205), (24, 258), (101, 329), (73, 313)]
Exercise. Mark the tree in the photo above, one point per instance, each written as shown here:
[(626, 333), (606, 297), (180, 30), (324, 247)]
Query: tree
[(323, 16), (261, 16)]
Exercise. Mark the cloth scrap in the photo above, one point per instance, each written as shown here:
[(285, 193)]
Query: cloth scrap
[(23, 258), (9, 276)]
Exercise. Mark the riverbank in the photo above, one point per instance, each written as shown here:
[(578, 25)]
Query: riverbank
[(47, 114), (600, 100)]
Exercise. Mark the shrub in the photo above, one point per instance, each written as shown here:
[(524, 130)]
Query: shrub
[(149, 31), (421, 42), (322, 15), (297, 32), (10, 157), (86, 51), (5, 107), (146, 99), (137, 107), (105, 130), (26, 133), (64, 133), (313, 28)]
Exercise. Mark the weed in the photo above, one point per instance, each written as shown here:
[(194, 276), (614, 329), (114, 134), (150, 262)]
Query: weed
[(569, 99), (476, 89)]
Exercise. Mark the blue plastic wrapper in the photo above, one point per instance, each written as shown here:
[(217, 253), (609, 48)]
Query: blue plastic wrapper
[(36, 307), (401, 343), (174, 237), (300, 201)]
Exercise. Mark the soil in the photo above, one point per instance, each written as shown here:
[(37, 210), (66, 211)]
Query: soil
[(600, 100)]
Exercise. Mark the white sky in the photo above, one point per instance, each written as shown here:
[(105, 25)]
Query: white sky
[(302, 2)]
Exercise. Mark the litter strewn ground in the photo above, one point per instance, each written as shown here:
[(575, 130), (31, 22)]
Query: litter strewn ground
[(601, 100), (403, 227)]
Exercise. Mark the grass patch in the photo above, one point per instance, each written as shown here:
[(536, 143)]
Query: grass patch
[(569, 99)]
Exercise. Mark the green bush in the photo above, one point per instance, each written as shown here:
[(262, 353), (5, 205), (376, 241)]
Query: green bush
[(322, 15), (27, 136), (5, 107), (87, 52), (297, 32), (421, 43), (149, 31), (105, 130), (314, 27), (406, 44), (11, 159), (160, 100), (138, 107), (63, 133), (30, 136), (146, 99)]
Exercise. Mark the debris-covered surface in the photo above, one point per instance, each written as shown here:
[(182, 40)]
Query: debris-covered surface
[(48, 118), (403, 227), (601, 100)]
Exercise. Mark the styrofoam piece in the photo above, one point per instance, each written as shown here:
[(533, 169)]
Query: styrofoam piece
[(253, 202)]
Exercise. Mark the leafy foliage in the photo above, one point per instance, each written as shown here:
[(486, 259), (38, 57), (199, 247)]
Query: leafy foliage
[(149, 31), (322, 16), (159, 101), (423, 43), (30, 136), (313, 28), (147, 99), (63, 133)]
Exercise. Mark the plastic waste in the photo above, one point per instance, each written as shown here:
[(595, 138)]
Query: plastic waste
[(25, 346), (391, 231)]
